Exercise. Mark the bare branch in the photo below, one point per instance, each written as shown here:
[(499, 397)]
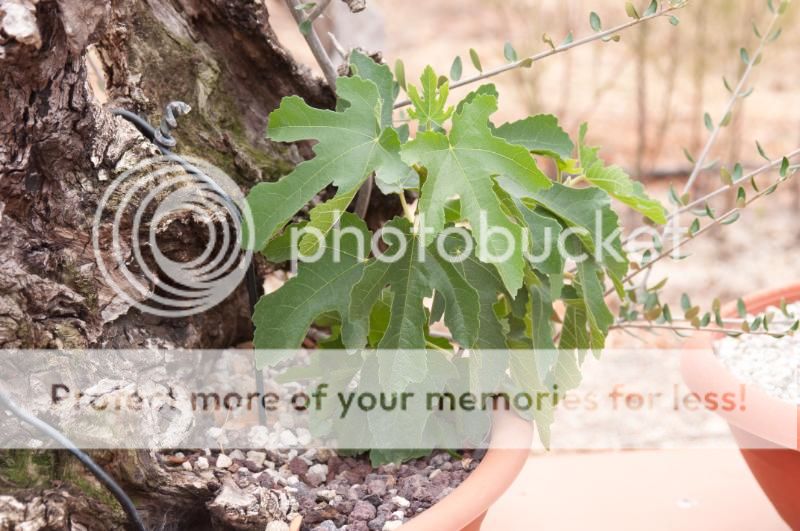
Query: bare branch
[(763, 169), (317, 11), (715, 222), (527, 61), (649, 326), (315, 45), (735, 96)]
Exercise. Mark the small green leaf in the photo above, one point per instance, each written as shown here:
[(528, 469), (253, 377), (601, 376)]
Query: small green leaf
[(674, 20), (755, 30), (784, 167), (695, 226), (727, 85), (725, 176), (774, 35), (509, 52), (761, 151), (726, 120), (526, 63), (688, 155), (568, 39), (709, 122), (738, 171), (548, 41), (594, 21), (747, 93), (673, 196), (784, 5), (455, 69), (741, 198), (651, 9), (476, 61), (400, 73), (430, 107), (745, 56), (731, 219), (631, 10), (686, 302), (305, 27), (741, 309)]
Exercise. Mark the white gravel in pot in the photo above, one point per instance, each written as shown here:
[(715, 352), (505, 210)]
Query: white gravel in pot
[(769, 363)]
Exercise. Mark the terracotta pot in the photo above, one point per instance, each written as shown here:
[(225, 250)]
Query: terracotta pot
[(766, 428), (465, 508)]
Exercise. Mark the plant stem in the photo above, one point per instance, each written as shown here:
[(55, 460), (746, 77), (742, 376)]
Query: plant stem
[(527, 61), (646, 326), (409, 214), (763, 169), (735, 95), (691, 237), (316, 47), (317, 11)]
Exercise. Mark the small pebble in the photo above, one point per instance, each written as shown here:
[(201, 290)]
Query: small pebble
[(223, 461), (317, 474), (401, 502), (257, 458), (288, 438), (201, 463)]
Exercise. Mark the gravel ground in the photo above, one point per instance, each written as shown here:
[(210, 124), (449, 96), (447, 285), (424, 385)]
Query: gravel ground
[(329, 492)]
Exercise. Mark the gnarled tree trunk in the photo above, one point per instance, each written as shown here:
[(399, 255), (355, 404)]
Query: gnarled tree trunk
[(60, 147)]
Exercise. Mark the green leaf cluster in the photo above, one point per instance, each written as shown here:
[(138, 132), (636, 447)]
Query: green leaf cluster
[(525, 321)]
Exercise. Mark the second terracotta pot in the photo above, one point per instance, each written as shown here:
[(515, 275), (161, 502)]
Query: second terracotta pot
[(766, 428)]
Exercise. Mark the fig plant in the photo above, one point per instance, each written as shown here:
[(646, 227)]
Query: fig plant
[(518, 263)]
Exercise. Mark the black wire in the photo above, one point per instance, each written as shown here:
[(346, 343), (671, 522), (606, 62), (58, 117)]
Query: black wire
[(94, 468)]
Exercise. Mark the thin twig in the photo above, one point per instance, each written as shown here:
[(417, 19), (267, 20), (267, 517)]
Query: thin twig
[(646, 326), (715, 222), (337, 45), (763, 169), (364, 196), (527, 61), (735, 96), (317, 11), (315, 45), (702, 200)]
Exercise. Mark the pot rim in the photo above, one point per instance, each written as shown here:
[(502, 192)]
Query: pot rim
[(765, 416), (510, 447)]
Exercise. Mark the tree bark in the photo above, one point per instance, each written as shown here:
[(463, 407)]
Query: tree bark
[(60, 147)]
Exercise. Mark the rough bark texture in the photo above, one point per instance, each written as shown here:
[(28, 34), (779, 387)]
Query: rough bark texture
[(60, 148)]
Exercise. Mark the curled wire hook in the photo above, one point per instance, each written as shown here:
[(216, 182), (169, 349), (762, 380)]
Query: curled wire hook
[(169, 121)]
